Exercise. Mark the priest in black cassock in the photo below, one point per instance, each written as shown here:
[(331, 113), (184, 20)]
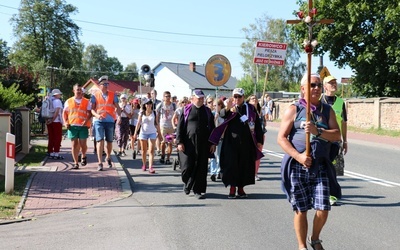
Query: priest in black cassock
[(242, 136), (193, 130)]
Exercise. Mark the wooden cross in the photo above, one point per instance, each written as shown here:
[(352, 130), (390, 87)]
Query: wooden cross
[(311, 22)]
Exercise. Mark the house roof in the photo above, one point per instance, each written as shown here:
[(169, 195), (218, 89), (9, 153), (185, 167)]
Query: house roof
[(195, 79), (116, 86)]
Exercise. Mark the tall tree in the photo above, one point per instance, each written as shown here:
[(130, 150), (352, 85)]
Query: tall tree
[(95, 60), (45, 31), (272, 30), (131, 72), (365, 36), (4, 51)]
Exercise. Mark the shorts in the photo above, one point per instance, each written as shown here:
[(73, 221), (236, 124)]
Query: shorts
[(166, 131), (152, 136), (132, 130), (309, 190), (104, 130), (78, 132)]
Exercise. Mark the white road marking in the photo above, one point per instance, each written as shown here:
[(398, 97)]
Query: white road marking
[(349, 173)]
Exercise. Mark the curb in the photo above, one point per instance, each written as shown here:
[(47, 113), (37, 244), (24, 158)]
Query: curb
[(124, 180)]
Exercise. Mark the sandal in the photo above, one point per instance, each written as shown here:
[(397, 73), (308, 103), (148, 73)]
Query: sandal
[(314, 242), (76, 166), (83, 161)]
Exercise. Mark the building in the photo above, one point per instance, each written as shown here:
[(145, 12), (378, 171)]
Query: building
[(180, 79), (116, 86)]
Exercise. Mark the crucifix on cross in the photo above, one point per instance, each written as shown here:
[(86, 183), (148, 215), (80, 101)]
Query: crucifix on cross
[(309, 44)]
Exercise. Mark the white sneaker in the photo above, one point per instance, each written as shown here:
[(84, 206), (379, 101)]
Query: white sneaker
[(257, 178), (333, 200)]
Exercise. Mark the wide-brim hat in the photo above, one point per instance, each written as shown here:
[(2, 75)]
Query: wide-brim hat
[(56, 92)]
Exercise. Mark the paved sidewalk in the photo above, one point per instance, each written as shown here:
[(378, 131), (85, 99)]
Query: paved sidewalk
[(55, 187)]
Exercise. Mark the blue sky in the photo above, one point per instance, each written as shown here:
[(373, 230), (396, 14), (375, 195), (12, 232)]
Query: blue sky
[(170, 31)]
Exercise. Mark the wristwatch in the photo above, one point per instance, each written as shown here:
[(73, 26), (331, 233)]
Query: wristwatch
[(319, 132)]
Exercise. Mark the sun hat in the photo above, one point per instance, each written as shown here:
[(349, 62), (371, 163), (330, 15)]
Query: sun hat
[(56, 92)]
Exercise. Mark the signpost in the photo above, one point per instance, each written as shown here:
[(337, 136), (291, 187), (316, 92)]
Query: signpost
[(218, 71), (269, 53), (10, 161)]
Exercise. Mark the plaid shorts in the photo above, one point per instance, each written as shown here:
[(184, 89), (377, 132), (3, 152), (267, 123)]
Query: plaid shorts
[(309, 190)]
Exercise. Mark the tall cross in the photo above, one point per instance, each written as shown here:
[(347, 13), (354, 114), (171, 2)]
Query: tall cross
[(308, 45)]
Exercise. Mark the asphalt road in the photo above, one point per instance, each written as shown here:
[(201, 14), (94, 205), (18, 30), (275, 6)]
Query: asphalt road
[(160, 216)]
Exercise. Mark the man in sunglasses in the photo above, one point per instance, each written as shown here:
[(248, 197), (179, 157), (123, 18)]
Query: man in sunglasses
[(105, 110), (243, 136), (308, 180)]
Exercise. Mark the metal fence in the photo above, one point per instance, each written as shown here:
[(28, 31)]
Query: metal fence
[(37, 127), (16, 129)]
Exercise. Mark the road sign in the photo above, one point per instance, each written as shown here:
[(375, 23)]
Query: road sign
[(270, 53), (218, 70), (324, 73)]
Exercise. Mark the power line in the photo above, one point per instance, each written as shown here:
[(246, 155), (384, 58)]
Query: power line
[(147, 30)]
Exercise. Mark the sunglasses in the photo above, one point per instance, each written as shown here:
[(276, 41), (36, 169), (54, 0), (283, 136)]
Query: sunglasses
[(237, 96), (104, 84), (313, 85)]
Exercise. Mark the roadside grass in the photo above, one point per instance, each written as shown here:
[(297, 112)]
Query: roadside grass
[(9, 202), (36, 155), (383, 132)]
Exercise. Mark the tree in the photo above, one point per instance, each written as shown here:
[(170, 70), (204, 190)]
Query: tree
[(273, 30), (94, 60), (365, 36), (45, 31), (12, 97), (4, 51), (131, 72)]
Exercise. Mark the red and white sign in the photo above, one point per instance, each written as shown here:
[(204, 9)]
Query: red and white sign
[(270, 53)]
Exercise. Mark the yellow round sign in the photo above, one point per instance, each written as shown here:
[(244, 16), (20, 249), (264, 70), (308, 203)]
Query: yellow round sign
[(218, 70)]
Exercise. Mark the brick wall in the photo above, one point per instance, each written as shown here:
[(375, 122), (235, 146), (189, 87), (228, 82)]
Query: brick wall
[(362, 113)]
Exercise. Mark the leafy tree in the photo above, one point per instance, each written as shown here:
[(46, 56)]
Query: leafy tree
[(131, 72), (4, 51), (115, 68), (94, 60), (279, 78), (12, 97), (45, 31), (365, 36)]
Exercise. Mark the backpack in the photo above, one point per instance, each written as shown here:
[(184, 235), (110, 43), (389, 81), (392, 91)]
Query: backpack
[(47, 110)]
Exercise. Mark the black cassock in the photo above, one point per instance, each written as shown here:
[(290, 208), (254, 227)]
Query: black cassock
[(238, 151), (194, 134)]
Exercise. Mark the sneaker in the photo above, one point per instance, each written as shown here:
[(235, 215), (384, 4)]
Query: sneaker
[(100, 167), (144, 167), (242, 195), (162, 159), (158, 152), (151, 170), (109, 163), (76, 166), (83, 161), (257, 178), (123, 153), (219, 176), (333, 200), (232, 193), (167, 162), (119, 153)]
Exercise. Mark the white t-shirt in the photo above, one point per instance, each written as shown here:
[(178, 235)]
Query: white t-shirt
[(147, 126), (127, 108), (57, 104), (166, 112)]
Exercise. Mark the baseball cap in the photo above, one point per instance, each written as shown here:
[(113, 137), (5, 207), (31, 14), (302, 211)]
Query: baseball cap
[(328, 79), (198, 93), (238, 91), (123, 96), (103, 78)]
